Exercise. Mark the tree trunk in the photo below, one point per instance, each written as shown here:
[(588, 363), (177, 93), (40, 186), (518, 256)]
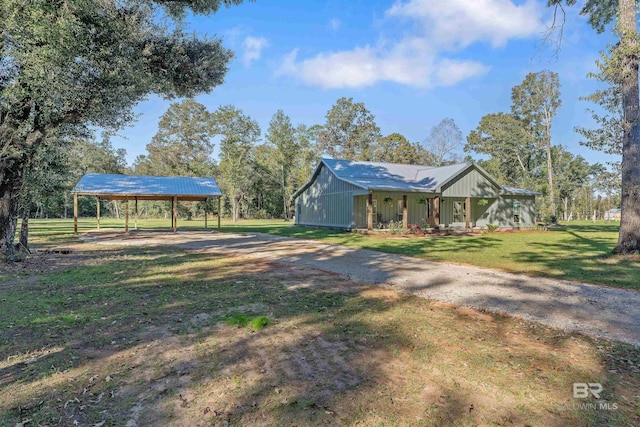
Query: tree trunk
[(236, 208), (116, 212), (24, 229), (284, 195), (629, 237), (566, 208), (8, 212), (552, 197)]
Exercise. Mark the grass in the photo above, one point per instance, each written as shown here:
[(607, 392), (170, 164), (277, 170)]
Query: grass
[(148, 336), (580, 250)]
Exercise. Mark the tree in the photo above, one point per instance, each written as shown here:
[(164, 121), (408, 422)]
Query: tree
[(85, 63), (239, 133), (350, 131), (572, 174), (182, 146), (443, 141), (281, 135), (395, 148), (535, 101), (622, 69), (505, 138)]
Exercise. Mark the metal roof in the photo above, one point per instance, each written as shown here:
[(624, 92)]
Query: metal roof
[(380, 176), (519, 191), (137, 185), (387, 176)]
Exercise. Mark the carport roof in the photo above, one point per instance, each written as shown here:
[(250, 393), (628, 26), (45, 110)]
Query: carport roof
[(146, 187)]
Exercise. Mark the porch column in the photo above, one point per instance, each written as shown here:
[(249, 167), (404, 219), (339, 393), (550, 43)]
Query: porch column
[(126, 215), (218, 213), (135, 218), (370, 211), (75, 213), (405, 220), (468, 211), (436, 211), (97, 213), (205, 214), (174, 213)]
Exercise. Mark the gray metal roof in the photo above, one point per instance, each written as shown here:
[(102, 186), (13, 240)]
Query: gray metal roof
[(519, 191), (137, 185), (393, 176), (380, 176)]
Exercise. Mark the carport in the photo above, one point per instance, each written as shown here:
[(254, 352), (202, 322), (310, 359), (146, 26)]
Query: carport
[(141, 187)]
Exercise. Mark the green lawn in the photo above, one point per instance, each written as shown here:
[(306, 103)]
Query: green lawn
[(109, 336), (578, 251)]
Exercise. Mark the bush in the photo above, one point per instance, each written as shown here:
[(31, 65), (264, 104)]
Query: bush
[(238, 319), (415, 229), (258, 323), (395, 227), (551, 219), (492, 227)]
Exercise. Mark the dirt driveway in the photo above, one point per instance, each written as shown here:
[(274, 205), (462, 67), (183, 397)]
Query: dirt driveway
[(595, 310)]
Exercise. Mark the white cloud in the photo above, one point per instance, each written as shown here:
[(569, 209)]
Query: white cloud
[(423, 58), (459, 23), (253, 49), (335, 24)]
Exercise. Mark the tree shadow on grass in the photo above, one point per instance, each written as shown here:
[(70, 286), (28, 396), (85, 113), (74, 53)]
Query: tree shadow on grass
[(139, 335)]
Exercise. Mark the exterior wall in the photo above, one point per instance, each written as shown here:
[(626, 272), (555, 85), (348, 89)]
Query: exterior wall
[(327, 202), (416, 212), (497, 211), (471, 184)]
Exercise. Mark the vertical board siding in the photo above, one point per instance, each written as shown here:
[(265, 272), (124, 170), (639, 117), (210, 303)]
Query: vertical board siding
[(472, 184), (500, 212), (328, 201)]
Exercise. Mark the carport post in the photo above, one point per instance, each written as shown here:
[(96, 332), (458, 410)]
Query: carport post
[(75, 213), (405, 220), (174, 214), (370, 211), (126, 215), (97, 212), (135, 218), (218, 213)]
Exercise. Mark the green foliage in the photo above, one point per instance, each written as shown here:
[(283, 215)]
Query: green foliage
[(68, 66), (350, 131), (237, 320), (259, 323), (239, 134), (492, 227), (182, 146), (395, 148)]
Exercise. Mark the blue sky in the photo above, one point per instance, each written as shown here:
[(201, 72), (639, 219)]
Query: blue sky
[(412, 62)]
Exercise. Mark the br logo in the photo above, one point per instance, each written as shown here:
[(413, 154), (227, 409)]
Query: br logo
[(582, 390)]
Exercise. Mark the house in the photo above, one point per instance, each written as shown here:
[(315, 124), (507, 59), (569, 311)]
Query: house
[(354, 194)]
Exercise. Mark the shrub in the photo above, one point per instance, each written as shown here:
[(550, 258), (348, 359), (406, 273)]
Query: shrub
[(238, 319), (258, 323), (415, 229), (395, 227), (492, 227)]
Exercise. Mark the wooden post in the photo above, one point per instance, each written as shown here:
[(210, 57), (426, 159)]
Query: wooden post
[(98, 212), (405, 219), (135, 218), (75, 213), (467, 209), (436, 211), (370, 211), (205, 214), (218, 213), (175, 214), (126, 215)]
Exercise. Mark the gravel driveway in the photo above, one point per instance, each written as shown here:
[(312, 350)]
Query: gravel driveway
[(595, 310)]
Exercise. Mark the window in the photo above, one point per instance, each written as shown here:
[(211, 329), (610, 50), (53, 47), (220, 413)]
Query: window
[(459, 211), (400, 209), (516, 211)]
